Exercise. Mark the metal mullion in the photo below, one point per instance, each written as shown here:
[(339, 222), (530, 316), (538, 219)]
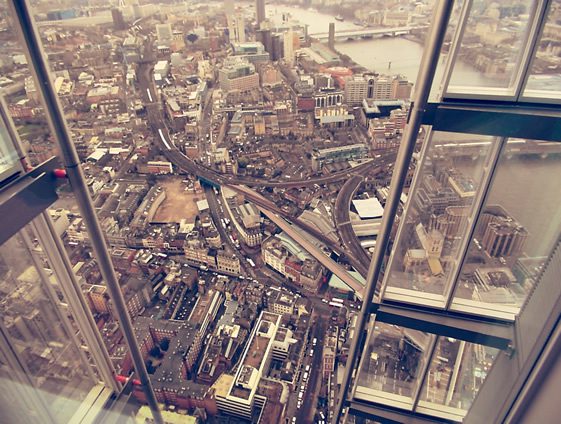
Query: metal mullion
[(455, 46), (532, 44), (473, 218), (458, 325), (427, 70), (407, 210), (389, 415), (50, 292), (423, 374), (369, 335), (62, 267), (36, 58), (512, 92)]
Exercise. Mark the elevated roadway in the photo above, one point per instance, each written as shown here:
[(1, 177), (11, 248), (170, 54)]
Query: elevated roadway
[(343, 220), (317, 253), (266, 204)]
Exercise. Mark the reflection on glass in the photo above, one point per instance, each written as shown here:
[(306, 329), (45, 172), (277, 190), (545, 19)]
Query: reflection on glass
[(427, 248), (545, 77), (515, 232), (9, 158), (457, 370), (36, 336), (491, 45), (391, 364)]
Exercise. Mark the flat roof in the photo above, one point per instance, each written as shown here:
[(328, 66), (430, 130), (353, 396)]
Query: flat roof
[(202, 205), (368, 208), (337, 283)]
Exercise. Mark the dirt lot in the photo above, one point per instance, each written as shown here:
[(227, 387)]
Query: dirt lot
[(179, 204)]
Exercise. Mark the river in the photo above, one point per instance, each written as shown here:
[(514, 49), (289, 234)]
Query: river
[(397, 55), (527, 188)]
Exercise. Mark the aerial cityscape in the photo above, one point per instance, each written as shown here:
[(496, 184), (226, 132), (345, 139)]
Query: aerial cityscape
[(239, 157)]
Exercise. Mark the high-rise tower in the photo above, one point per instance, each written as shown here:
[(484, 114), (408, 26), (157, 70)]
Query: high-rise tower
[(331, 39), (260, 11)]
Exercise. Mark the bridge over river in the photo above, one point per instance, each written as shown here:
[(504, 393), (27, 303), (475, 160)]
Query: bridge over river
[(367, 32)]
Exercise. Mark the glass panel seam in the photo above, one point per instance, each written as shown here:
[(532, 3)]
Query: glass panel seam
[(423, 374), (412, 189), (476, 208), (532, 44), (56, 304), (455, 46), (62, 268)]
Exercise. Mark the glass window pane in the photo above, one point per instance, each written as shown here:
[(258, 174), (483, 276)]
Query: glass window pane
[(391, 364), (545, 76), (455, 375), (9, 157), (490, 48), (436, 219), (515, 232), (37, 334)]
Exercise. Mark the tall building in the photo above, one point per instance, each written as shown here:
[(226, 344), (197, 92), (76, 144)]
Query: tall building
[(118, 20), (460, 320), (264, 37), (288, 47), (331, 36), (236, 27), (502, 235), (383, 88), (462, 269), (260, 12), (356, 89)]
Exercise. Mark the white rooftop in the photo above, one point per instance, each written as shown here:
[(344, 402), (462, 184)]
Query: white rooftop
[(368, 208), (202, 205)]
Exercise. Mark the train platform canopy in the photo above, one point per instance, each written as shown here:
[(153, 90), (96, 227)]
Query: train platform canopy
[(368, 208), (338, 284)]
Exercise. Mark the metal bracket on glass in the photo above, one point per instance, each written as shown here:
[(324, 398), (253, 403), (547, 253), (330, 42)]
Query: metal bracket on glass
[(504, 119), (387, 414), (481, 331), (26, 197)]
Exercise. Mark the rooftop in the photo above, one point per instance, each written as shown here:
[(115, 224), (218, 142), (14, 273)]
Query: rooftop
[(368, 208)]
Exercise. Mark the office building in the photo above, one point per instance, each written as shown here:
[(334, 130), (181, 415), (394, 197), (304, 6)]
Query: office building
[(321, 157), (164, 34), (238, 75), (263, 36), (253, 52), (238, 394), (236, 27), (356, 89), (288, 46)]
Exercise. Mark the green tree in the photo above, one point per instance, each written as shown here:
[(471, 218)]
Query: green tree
[(243, 162), (164, 344), (155, 352), (150, 366), (192, 37)]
